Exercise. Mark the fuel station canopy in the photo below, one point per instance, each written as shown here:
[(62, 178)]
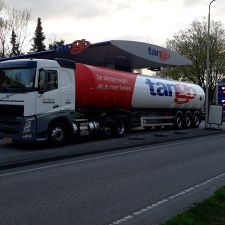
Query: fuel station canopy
[(120, 54)]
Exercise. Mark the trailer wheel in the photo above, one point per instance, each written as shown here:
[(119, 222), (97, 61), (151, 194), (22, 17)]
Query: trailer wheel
[(121, 126), (179, 120), (57, 134), (196, 120), (107, 128), (188, 121)]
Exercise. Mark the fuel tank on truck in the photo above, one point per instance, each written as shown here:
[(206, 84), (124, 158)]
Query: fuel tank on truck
[(100, 87), (157, 93), (104, 88)]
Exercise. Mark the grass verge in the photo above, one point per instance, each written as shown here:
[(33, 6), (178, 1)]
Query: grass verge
[(209, 212)]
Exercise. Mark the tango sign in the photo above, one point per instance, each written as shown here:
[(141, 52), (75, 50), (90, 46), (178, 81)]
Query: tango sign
[(163, 55)]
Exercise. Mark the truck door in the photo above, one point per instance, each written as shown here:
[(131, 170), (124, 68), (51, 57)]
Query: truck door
[(48, 98), (67, 90)]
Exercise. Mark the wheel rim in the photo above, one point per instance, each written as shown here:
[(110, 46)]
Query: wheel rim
[(179, 122), (121, 129), (57, 134), (197, 121), (188, 121)]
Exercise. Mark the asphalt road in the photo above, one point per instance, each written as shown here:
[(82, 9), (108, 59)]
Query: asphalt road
[(138, 186)]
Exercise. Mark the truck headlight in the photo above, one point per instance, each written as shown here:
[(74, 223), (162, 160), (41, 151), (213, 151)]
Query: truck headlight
[(27, 126)]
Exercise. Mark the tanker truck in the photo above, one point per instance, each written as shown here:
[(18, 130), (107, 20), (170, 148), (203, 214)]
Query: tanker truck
[(57, 100)]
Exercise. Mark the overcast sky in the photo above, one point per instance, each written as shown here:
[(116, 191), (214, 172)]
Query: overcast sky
[(151, 21)]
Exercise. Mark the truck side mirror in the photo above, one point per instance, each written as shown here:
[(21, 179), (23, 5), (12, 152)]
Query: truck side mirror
[(43, 81)]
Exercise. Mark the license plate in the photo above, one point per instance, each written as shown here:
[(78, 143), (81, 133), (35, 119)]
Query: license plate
[(7, 140)]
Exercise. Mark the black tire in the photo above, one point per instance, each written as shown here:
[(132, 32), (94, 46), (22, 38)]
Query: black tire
[(107, 128), (196, 120), (57, 134), (121, 126), (188, 120), (179, 120)]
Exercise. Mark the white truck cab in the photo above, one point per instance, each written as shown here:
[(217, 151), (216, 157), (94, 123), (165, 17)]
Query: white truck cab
[(33, 92)]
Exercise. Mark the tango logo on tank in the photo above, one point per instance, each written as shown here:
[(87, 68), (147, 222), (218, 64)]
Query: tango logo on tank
[(182, 92)]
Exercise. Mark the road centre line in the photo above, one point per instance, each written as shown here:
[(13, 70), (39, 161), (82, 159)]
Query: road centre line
[(165, 200), (107, 156)]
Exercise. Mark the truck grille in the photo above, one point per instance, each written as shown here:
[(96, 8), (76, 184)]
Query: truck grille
[(9, 126), (11, 110)]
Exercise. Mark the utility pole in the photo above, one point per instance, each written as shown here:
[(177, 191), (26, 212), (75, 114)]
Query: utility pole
[(207, 72)]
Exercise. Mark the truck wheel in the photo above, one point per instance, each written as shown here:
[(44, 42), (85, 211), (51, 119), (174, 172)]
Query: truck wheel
[(107, 128), (179, 118), (196, 120), (188, 120), (121, 126), (57, 134)]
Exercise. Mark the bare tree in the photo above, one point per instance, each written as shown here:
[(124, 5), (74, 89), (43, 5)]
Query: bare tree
[(12, 19), (3, 28), (19, 20)]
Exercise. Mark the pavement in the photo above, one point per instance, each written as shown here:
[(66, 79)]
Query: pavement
[(19, 155)]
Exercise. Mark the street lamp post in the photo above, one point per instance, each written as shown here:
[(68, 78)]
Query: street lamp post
[(207, 72)]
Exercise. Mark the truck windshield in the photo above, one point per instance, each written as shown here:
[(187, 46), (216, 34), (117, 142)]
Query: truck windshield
[(17, 79)]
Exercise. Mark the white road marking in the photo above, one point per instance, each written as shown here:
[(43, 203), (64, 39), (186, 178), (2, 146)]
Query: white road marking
[(165, 200), (107, 156)]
